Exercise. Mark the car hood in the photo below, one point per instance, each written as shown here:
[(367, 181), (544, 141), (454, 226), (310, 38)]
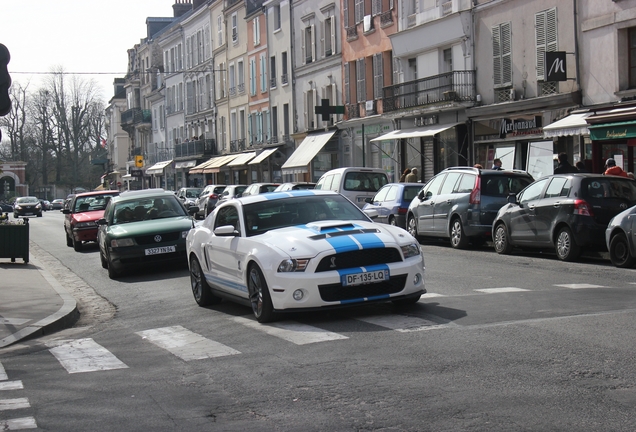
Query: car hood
[(88, 216), (148, 227), (340, 236), (619, 218)]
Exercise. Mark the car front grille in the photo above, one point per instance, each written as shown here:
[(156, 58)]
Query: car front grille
[(165, 237), (337, 292), (359, 258)]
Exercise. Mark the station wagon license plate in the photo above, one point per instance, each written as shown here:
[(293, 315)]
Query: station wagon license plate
[(365, 277), (160, 250)]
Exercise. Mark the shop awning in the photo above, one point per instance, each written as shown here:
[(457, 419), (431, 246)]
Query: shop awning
[(217, 163), (613, 131), (574, 124), (158, 167), (415, 132), (199, 168), (306, 151), (185, 164), (262, 156), (127, 177), (242, 159)]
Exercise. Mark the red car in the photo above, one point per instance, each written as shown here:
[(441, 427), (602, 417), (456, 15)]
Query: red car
[(80, 220)]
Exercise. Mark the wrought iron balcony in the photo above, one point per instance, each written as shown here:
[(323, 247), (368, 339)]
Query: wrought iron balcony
[(135, 116), (158, 155), (284, 79), (195, 148), (456, 86), (272, 82)]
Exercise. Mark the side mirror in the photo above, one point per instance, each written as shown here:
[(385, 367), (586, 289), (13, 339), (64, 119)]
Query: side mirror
[(372, 213), (420, 195), (226, 231), (101, 221), (66, 211), (368, 200), (193, 209), (512, 198)]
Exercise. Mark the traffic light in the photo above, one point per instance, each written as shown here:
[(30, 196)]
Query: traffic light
[(139, 161), (5, 81)]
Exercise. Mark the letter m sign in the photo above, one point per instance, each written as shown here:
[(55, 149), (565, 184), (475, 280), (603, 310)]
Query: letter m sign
[(555, 66)]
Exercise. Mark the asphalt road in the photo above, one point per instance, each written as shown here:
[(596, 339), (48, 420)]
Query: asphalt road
[(500, 343)]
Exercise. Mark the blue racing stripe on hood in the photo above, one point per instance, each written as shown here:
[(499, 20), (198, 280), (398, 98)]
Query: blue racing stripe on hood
[(357, 241)]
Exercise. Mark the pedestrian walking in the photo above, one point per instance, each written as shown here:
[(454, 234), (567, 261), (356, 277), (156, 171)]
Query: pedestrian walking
[(404, 174), (564, 165), (612, 169), (412, 176), (496, 165)]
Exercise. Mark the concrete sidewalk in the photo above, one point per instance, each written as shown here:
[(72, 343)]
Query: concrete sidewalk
[(32, 301)]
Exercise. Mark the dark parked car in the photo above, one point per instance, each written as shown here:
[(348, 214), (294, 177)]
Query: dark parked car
[(392, 202), (146, 227), (6, 208), (27, 206), (567, 212), (620, 238), (80, 218), (460, 203), (207, 200), (57, 204)]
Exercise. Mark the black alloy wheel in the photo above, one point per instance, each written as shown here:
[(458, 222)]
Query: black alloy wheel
[(259, 295)]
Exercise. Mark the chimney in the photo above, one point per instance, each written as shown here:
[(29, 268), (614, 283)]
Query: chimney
[(181, 6), (197, 3)]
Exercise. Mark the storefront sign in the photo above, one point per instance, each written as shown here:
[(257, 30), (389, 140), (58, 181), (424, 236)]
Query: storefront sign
[(517, 127), (613, 131), (555, 66), (136, 172)]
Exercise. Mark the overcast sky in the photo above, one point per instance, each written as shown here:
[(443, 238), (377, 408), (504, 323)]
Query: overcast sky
[(78, 35)]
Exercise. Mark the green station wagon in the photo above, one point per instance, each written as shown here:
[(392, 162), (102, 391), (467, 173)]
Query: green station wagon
[(143, 228)]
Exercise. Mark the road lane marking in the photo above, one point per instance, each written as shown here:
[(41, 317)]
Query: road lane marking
[(84, 355), (3, 374), (291, 331), (18, 424), (185, 344), (400, 323), (11, 385), (431, 295), (14, 321), (500, 290), (580, 286), (11, 404)]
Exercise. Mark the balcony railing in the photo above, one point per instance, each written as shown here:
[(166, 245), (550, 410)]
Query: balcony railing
[(456, 86), (352, 32), (272, 83), (195, 148), (284, 79), (237, 145), (158, 155), (135, 116), (386, 18), (353, 111), (241, 88)]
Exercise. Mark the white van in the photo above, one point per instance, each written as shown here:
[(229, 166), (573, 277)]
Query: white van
[(355, 183)]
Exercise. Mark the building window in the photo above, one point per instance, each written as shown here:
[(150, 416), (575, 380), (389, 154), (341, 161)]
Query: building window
[(545, 23), (234, 28), (284, 78), (272, 71), (277, 17), (502, 55), (309, 45), (232, 77), (274, 124), (219, 30), (253, 76), (360, 80), (330, 36), (286, 119), (263, 73), (257, 30), (359, 11), (632, 57), (241, 77), (378, 76), (310, 103)]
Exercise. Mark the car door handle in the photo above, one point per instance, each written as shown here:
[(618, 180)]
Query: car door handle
[(531, 207), (448, 201), (557, 204)]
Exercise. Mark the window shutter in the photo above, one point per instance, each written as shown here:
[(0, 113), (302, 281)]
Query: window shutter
[(539, 26), (396, 70), (313, 43), (345, 8), (359, 10), (496, 55), (377, 76), (376, 7), (346, 95), (506, 54), (332, 22), (306, 114), (303, 47)]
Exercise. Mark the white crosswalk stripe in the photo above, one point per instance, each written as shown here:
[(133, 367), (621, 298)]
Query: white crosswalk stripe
[(291, 331), (84, 355), (185, 344), (400, 323), (11, 404), (3, 374), (580, 286), (431, 295), (11, 385), (500, 290), (18, 424)]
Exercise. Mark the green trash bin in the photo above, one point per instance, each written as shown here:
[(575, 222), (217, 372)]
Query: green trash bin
[(14, 240)]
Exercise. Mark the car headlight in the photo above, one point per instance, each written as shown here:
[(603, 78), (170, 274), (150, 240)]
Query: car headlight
[(17, 207), (122, 242), (411, 250), (85, 225), (38, 206), (293, 265)]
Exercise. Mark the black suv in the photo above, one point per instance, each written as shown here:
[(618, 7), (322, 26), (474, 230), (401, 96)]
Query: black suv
[(460, 203), (567, 212)]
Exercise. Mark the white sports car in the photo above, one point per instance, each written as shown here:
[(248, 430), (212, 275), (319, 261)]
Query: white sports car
[(301, 250)]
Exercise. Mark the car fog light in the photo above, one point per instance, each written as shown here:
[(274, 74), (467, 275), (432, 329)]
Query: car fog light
[(298, 295), (417, 279)]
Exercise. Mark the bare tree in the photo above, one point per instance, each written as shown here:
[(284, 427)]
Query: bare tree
[(15, 124)]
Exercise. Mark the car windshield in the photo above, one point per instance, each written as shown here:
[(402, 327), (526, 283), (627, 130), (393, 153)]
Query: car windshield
[(147, 208), (90, 203), (192, 193), (410, 192), (608, 187), (27, 200), (263, 216), (364, 181)]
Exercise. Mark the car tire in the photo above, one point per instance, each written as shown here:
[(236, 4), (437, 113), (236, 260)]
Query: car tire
[(406, 302), (565, 246), (103, 259), (458, 238), (411, 227), (112, 273), (15, 216), (39, 214), (200, 288), (619, 252), (69, 241), (501, 241), (77, 244), (259, 295), (392, 221)]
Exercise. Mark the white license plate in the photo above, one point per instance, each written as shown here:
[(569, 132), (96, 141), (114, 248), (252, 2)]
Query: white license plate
[(28, 214), (160, 250), (365, 277)]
